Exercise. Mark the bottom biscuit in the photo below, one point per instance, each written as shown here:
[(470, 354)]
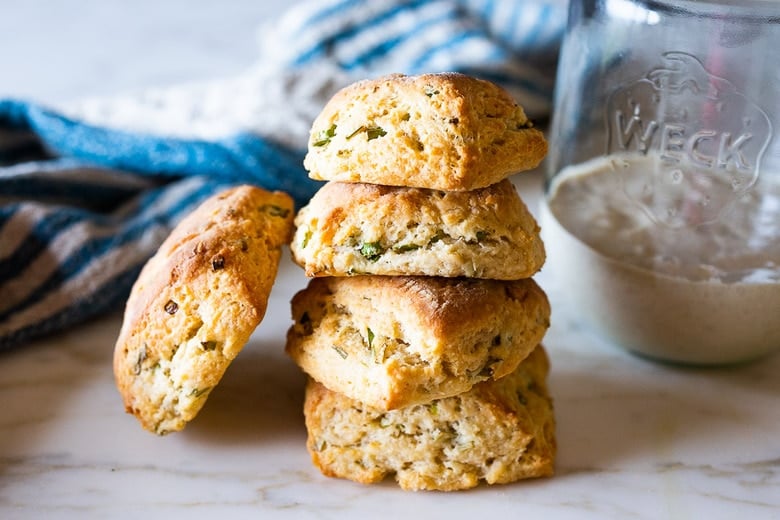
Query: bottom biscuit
[(498, 432)]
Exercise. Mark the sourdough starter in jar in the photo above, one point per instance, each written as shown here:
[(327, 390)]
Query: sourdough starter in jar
[(662, 201), (703, 294)]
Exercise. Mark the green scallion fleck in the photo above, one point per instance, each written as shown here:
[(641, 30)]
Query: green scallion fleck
[(377, 348), (437, 237), (325, 136), (274, 210), (340, 351), (306, 238), (372, 251), (372, 132), (197, 392), (375, 132), (208, 345), (378, 353), (140, 360), (359, 129), (405, 248)]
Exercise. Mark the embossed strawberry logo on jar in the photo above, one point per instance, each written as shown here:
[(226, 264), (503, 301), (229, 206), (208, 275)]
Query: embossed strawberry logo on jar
[(685, 142)]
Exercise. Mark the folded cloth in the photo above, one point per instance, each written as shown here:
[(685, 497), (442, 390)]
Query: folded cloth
[(90, 189)]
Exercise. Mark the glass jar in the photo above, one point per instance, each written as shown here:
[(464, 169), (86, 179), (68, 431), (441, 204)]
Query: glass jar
[(662, 197)]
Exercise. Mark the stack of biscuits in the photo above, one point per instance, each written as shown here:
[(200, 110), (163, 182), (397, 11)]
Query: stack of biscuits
[(420, 329)]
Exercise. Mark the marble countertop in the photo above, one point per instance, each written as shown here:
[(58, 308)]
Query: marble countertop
[(637, 439)]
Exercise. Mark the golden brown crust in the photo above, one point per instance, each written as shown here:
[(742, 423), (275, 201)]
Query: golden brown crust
[(196, 302), (393, 341), (357, 228), (498, 432), (443, 131)]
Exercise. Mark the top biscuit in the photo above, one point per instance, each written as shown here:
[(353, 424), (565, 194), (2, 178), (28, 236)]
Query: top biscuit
[(196, 302), (445, 131)]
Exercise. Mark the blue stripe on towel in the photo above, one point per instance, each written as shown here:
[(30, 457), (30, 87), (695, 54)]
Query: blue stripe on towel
[(317, 14), (241, 157), (5, 213), (530, 38), (95, 248), (64, 192), (37, 241), (386, 46), (421, 62), (346, 34), (110, 298)]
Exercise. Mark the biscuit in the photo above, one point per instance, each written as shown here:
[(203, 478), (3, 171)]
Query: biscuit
[(196, 302), (356, 228), (394, 341), (444, 131), (498, 432)]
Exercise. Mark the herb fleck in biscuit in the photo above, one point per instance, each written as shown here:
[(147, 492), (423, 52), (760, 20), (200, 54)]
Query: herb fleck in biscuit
[(442, 131), (393, 341), (196, 302), (498, 432), (356, 228)]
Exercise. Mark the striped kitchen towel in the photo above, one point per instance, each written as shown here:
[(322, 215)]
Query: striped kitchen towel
[(89, 190)]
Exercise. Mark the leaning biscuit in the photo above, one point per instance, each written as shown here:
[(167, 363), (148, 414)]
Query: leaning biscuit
[(356, 228), (498, 432), (394, 341), (443, 131), (196, 302)]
